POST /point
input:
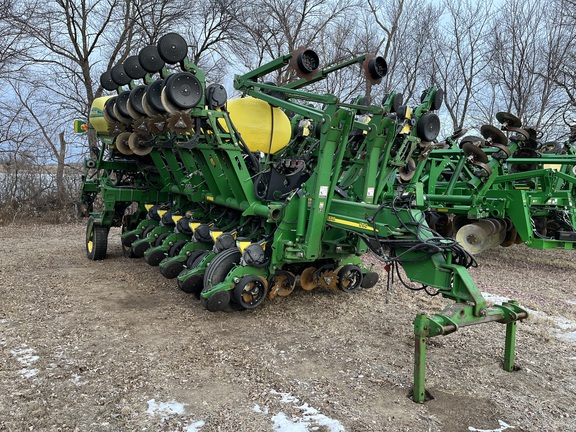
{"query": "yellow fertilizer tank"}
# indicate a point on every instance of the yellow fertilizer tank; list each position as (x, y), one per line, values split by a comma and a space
(96, 116)
(263, 127)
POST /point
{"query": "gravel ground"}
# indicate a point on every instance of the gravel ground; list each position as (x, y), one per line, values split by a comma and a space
(113, 346)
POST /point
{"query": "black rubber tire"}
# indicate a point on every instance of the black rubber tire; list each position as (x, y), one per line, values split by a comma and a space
(147, 231)
(154, 258)
(219, 301)
(160, 239)
(194, 283)
(96, 240)
(176, 248)
(127, 241)
(220, 266)
(216, 272)
(193, 256)
(172, 270)
(140, 248)
(128, 252)
(369, 280)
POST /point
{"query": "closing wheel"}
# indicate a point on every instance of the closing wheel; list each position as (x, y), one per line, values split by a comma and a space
(96, 240)
(140, 248)
(176, 248)
(127, 243)
(251, 291)
(172, 269)
(154, 258)
(349, 278)
(369, 280)
(193, 284)
(219, 301)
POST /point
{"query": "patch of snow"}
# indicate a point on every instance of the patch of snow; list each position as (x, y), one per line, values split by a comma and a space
(194, 426)
(259, 410)
(284, 424)
(503, 427)
(25, 355)
(28, 373)
(310, 420)
(76, 380)
(494, 298)
(561, 322)
(571, 336)
(565, 323)
(286, 397)
(167, 409)
(312, 414)
(164, 409)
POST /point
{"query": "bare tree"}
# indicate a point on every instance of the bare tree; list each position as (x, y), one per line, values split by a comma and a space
(527, 50)
(276, 27)
(407, 39)
(461, 55)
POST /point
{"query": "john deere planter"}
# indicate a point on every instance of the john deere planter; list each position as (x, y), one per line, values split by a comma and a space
(244, 200)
